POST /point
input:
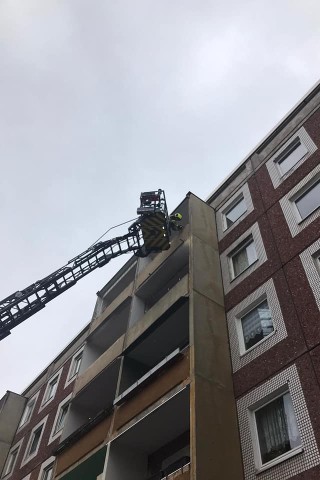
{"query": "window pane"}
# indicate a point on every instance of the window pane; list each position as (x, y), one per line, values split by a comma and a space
(291, 156)
(244, 258)
(256, 325)
(277, 428)
(309, 201)
(61, 418)
(11, 461)
(240, 262)
(35, 440)
(76, 365)
(47, 473)
(251, 253)
(51, 390)
(27, 412)
(235, 212)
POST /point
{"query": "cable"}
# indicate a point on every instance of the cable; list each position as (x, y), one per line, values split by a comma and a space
(115, 226)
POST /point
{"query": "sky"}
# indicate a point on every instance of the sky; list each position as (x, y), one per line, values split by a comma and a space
(101, 100)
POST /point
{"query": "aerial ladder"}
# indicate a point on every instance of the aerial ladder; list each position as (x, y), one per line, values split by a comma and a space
(149, 233)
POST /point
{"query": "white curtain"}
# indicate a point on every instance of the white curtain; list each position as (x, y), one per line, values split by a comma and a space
(277, 428)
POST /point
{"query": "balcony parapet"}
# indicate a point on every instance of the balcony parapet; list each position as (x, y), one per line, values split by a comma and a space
(124, 295)
(181, 289)
(99, 365)
(158, 388)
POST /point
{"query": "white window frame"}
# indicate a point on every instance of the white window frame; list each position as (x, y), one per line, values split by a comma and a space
(255, 437)
(45, 400)
(221, 220)
(33, 400)
(70, 377)
(54, 435)
(311, 264)
(229, 208)
(253, 306)
(274, 169)
(15, 447)
(228, 282)
(289, 208)
(241, 357)
(287, 379)
(50, 461)
(300, 194)
(28, 457)
(287, 152)
(242, 246)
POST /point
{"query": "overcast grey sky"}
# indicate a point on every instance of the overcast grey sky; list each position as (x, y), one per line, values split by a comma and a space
(100, 100)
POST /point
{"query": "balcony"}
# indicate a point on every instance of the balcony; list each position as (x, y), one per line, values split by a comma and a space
(105, 335)
(157, 446)
(155, 349)
(149, 264)
(92, 398)
(122, 279)
(168, 273)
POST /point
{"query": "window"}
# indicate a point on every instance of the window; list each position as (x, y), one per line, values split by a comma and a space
(46, 469)
(75, 367)
(51, 389)
(241, 258)
(47, 473)
(234, 212)
(34, 441)
(256, 325)
(61, 418)
(27, 412)
(11, 461)
(35, 438)
(277, 428)
(291, 155)
(309, 201)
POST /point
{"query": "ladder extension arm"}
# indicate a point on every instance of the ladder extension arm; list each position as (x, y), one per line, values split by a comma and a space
(150, 233)
(24, 303)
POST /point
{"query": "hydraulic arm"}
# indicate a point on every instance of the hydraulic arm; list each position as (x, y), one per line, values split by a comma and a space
(149, 233)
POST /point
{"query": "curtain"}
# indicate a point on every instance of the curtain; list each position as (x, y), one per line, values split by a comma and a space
(273, 431)
(240, 262)
(257, 324)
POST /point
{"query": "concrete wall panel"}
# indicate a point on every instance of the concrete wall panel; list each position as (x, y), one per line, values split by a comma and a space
(215, 445)
(110, 308)
(83, 446)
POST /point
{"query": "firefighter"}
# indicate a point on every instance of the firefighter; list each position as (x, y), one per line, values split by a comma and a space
(173, 221)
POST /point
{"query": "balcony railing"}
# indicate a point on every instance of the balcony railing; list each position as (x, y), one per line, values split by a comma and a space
(179, 467)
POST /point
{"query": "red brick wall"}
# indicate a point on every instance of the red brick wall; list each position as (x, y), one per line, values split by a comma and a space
(45, 451)
(300, 312)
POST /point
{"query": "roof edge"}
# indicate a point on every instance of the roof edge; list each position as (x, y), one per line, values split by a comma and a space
(265, 140)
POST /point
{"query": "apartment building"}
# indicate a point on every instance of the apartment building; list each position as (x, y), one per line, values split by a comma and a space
(31, 423)
(268, 225)
(203, 361)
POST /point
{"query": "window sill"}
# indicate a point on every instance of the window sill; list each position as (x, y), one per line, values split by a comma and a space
(243, 354)
(280, 459)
